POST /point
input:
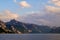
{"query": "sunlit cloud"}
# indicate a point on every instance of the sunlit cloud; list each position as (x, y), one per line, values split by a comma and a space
(52, 9)
(8, 15)
(24, 4)
(55, 2)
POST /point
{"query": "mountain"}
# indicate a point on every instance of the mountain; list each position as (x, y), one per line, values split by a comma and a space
(28, 28)
(16, 24)
(17, 27)
(4, 29)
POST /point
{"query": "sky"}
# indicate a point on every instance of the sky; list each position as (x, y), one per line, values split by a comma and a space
(41, 12)
(20, 6)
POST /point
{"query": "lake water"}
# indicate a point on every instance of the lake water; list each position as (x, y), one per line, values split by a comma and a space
(29, 36)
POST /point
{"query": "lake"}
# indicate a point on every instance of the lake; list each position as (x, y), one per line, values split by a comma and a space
(29, 36)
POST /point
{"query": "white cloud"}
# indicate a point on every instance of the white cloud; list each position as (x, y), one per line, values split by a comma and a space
(8, 15)
(55, 2)
(52, 9)
(55, 12)
(24, 4)
(36, 18)
(47, 19)
(51, 16)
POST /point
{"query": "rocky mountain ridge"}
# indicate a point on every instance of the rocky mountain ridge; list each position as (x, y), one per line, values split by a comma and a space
(16, 27)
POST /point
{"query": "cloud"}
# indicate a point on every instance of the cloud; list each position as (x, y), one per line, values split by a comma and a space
(55, 2)
(55, 12)
(50, 19)
(24, 4)
(52, 9)
(50, 16)
(37, 18)
(8, 15)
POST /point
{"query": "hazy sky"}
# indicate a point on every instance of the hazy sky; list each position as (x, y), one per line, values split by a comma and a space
(46, 12)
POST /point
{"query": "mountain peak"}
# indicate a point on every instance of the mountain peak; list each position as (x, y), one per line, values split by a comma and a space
(13, 20)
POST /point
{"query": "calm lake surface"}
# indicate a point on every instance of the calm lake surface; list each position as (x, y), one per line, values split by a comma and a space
(29, 36)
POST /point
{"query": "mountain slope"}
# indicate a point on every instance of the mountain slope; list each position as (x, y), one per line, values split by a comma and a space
(14, 26)
(28, 28)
